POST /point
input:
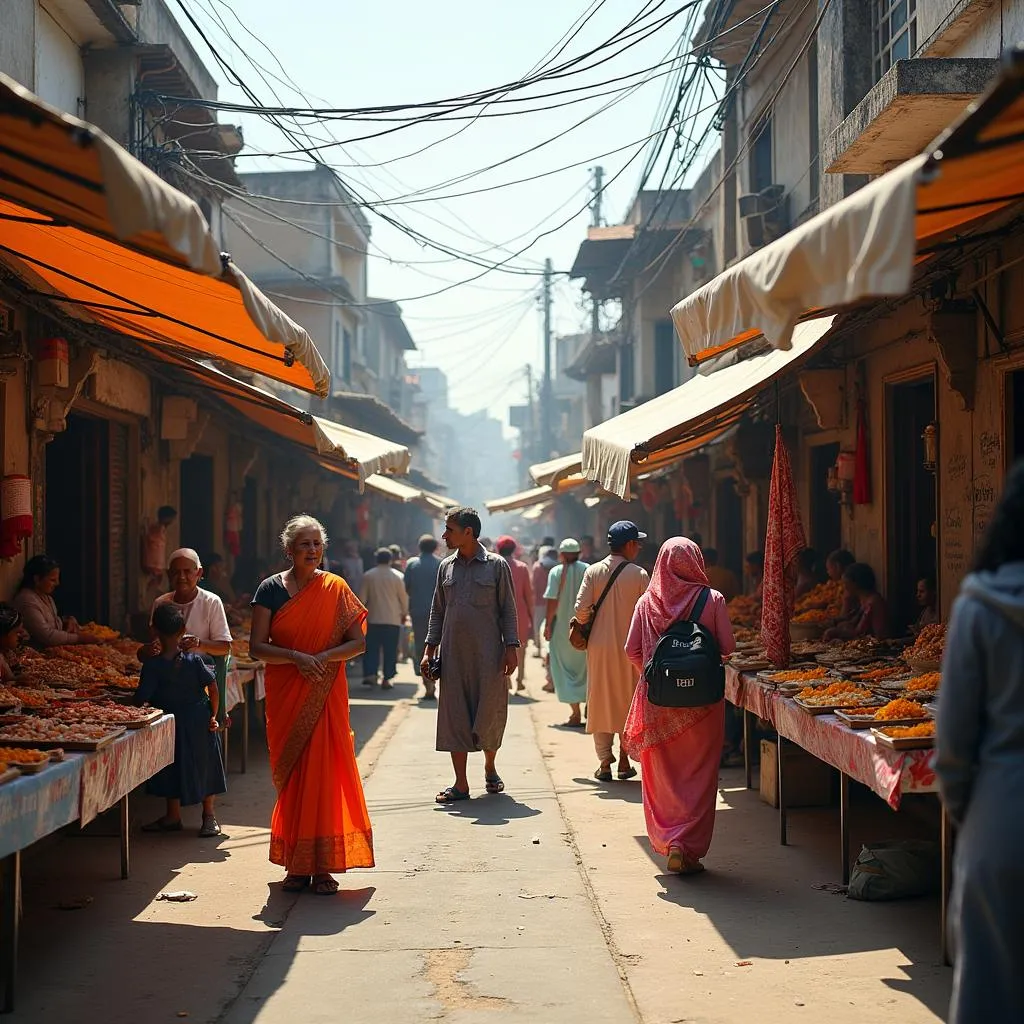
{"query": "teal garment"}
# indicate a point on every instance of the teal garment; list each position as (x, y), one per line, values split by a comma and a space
(568, 666)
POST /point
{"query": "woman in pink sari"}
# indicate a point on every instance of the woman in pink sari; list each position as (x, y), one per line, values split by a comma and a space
(678, 748)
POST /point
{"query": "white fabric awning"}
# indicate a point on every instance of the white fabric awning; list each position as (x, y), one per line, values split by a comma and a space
(391, 488)
(693, 415)
(435, 502)
(522, 499)
(556, 469)
(369, 453)
(535, 512)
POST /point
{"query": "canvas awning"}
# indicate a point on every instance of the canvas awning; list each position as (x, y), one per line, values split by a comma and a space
(88, 226)
(867, 246)
(391, 488)
(535, 512)
(535, 495)
(556, 469)
(435, 502)
(695, 414)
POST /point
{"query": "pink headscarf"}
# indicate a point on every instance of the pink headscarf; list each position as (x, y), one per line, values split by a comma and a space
(678, 579)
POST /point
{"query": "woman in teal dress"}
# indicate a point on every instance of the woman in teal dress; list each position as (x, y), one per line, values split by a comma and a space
(568, 666)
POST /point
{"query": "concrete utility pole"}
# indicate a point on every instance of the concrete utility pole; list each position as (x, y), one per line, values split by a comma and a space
(546, 401)
(595, 221)
(529, 434)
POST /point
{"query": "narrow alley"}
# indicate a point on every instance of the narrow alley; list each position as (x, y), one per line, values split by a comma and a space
(542, 904)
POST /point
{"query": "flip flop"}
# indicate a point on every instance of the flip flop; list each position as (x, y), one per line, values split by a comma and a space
(162, 825)
(295, 883)
(326, 887)
(574, 724)
(451, 795)
(625, 776)
(494, 785)
(603, 775)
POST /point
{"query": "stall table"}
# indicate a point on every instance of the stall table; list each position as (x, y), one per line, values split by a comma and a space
(241, 675)
(76, 789)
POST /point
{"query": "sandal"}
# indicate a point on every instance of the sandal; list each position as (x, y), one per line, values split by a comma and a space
(325, 886)
(210, 828)
(625, 776)
(451, 795)
(604, 773)
(573, 723)
(494, 785)
(676, 861)
(163, 825)
(295, 883)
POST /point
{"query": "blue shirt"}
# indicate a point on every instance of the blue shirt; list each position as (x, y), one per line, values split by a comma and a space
(420, 581)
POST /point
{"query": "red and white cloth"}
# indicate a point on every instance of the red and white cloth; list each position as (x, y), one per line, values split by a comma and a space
(785, 539)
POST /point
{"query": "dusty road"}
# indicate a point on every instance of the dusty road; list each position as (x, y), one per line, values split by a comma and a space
(543, 904)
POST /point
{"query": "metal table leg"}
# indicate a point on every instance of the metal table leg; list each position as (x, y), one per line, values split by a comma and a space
(783, 836)
(10, 894)
(125, 863)
(747, 740)
(245, 723)
(946, 843)
(844, 825)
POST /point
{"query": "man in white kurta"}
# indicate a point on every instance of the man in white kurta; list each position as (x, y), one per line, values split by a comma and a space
(611, 678)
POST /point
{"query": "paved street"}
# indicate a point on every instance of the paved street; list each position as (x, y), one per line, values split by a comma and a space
(542, 904)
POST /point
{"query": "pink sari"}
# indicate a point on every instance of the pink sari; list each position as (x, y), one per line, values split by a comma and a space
(678, 748)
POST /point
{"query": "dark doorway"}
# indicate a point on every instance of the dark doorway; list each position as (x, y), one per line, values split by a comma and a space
(911, 497)
(77, 514)
(729, 526)
(1015, 415)
(664, 357)
(826, 513)
(197, 504)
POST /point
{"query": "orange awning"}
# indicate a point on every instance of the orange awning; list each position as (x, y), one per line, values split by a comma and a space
(86, 225)
(868, 245)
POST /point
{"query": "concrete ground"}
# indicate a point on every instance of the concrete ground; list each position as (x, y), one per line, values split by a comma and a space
(542, 904)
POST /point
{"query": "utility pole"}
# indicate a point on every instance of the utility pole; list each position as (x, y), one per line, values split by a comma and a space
(546, 410)
(595, 221)
(530, 433)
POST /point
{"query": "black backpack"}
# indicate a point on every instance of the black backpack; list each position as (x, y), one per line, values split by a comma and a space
(685, 670)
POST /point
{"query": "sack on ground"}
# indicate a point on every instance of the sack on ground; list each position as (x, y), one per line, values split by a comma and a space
(896, 870)
(685, 670)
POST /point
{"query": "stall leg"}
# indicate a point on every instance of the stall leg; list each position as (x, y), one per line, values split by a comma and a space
(125, 831)
(783, 836)
(747, 740)
(947, 883)
(10, 894)
(245, 724)
(844, 825)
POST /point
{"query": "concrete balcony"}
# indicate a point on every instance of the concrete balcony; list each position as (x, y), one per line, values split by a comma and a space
(905, 111)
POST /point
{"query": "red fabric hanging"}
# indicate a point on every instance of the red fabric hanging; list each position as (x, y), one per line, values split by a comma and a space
(783, 542)
(862, 460)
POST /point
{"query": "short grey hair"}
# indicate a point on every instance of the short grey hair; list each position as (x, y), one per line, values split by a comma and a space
(296, 525)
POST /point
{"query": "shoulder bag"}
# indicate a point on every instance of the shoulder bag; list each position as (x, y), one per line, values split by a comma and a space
(579, 632)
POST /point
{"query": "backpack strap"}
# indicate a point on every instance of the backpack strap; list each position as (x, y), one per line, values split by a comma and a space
(699, 605)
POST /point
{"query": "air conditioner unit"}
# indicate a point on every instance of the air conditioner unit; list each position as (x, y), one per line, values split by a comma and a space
(765, 215)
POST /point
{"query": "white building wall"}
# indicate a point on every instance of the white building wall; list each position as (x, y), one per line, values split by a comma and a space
(59, 74)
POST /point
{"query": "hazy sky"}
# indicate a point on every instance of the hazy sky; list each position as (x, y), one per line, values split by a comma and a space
(348, 54)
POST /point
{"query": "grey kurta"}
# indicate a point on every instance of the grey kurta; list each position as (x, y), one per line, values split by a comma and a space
(473, 619)
(980, 765)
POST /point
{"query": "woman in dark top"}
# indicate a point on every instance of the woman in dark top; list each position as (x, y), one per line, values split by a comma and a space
(183, 685)
(872, 618)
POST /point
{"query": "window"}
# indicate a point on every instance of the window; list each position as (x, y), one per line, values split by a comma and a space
(893, 33)
(664, 357)
(761, 154)
(625, 374)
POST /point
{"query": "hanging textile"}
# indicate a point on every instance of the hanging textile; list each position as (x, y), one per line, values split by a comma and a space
(862, 460)
(783, 542)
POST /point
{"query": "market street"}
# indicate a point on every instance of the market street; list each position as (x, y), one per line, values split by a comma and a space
(542, 904)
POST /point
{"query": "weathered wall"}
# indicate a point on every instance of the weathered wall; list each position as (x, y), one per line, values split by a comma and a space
(17, 41)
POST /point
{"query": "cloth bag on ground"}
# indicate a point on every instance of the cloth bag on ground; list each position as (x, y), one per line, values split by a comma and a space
(896, 870)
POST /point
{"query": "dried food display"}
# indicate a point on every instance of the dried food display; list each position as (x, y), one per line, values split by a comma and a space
(929, 645)
(927, 681)
(901, 710)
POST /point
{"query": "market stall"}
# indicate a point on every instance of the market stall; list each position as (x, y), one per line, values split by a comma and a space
(245, 685)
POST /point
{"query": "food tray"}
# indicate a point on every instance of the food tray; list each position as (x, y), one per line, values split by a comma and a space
(64, 743)
(145, 721)
(903, 742)
(920, 667)
(829, 709)
(807, 630)
(859, 721)
(9, 775)
(7, 708)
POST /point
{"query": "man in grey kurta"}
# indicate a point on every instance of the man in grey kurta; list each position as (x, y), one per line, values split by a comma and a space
(474, 623)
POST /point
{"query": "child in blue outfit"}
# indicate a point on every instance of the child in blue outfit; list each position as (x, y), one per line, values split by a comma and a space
(183, 685)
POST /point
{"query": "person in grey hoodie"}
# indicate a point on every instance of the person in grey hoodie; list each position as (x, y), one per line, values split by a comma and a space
(980, 765)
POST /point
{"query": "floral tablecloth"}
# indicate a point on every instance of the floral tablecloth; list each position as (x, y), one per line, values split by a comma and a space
(111, 773)
(889, 773)
(238, 678)
(36, 805)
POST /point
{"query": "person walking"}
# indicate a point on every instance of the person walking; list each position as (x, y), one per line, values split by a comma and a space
(980, 766)
(567, 665)
(306, 624)
(678, 748)
(387, 607)
(606, 600)
(547, 559)
(420, 581)
(473, 623)
(522, 586)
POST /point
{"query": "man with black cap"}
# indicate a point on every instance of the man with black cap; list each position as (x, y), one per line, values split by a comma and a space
(606, 599)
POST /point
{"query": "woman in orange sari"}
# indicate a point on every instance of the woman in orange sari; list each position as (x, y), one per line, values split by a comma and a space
(306, 624)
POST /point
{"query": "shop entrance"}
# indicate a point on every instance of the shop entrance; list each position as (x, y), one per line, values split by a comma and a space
(1015, 415)
(197, 504)
(826, 513)
(77, 514)
(729, 526)
(911, 496)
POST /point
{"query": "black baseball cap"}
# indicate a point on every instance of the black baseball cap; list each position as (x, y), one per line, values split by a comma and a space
(623, 532)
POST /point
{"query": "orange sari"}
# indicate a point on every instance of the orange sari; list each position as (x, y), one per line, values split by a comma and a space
(320, 823)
